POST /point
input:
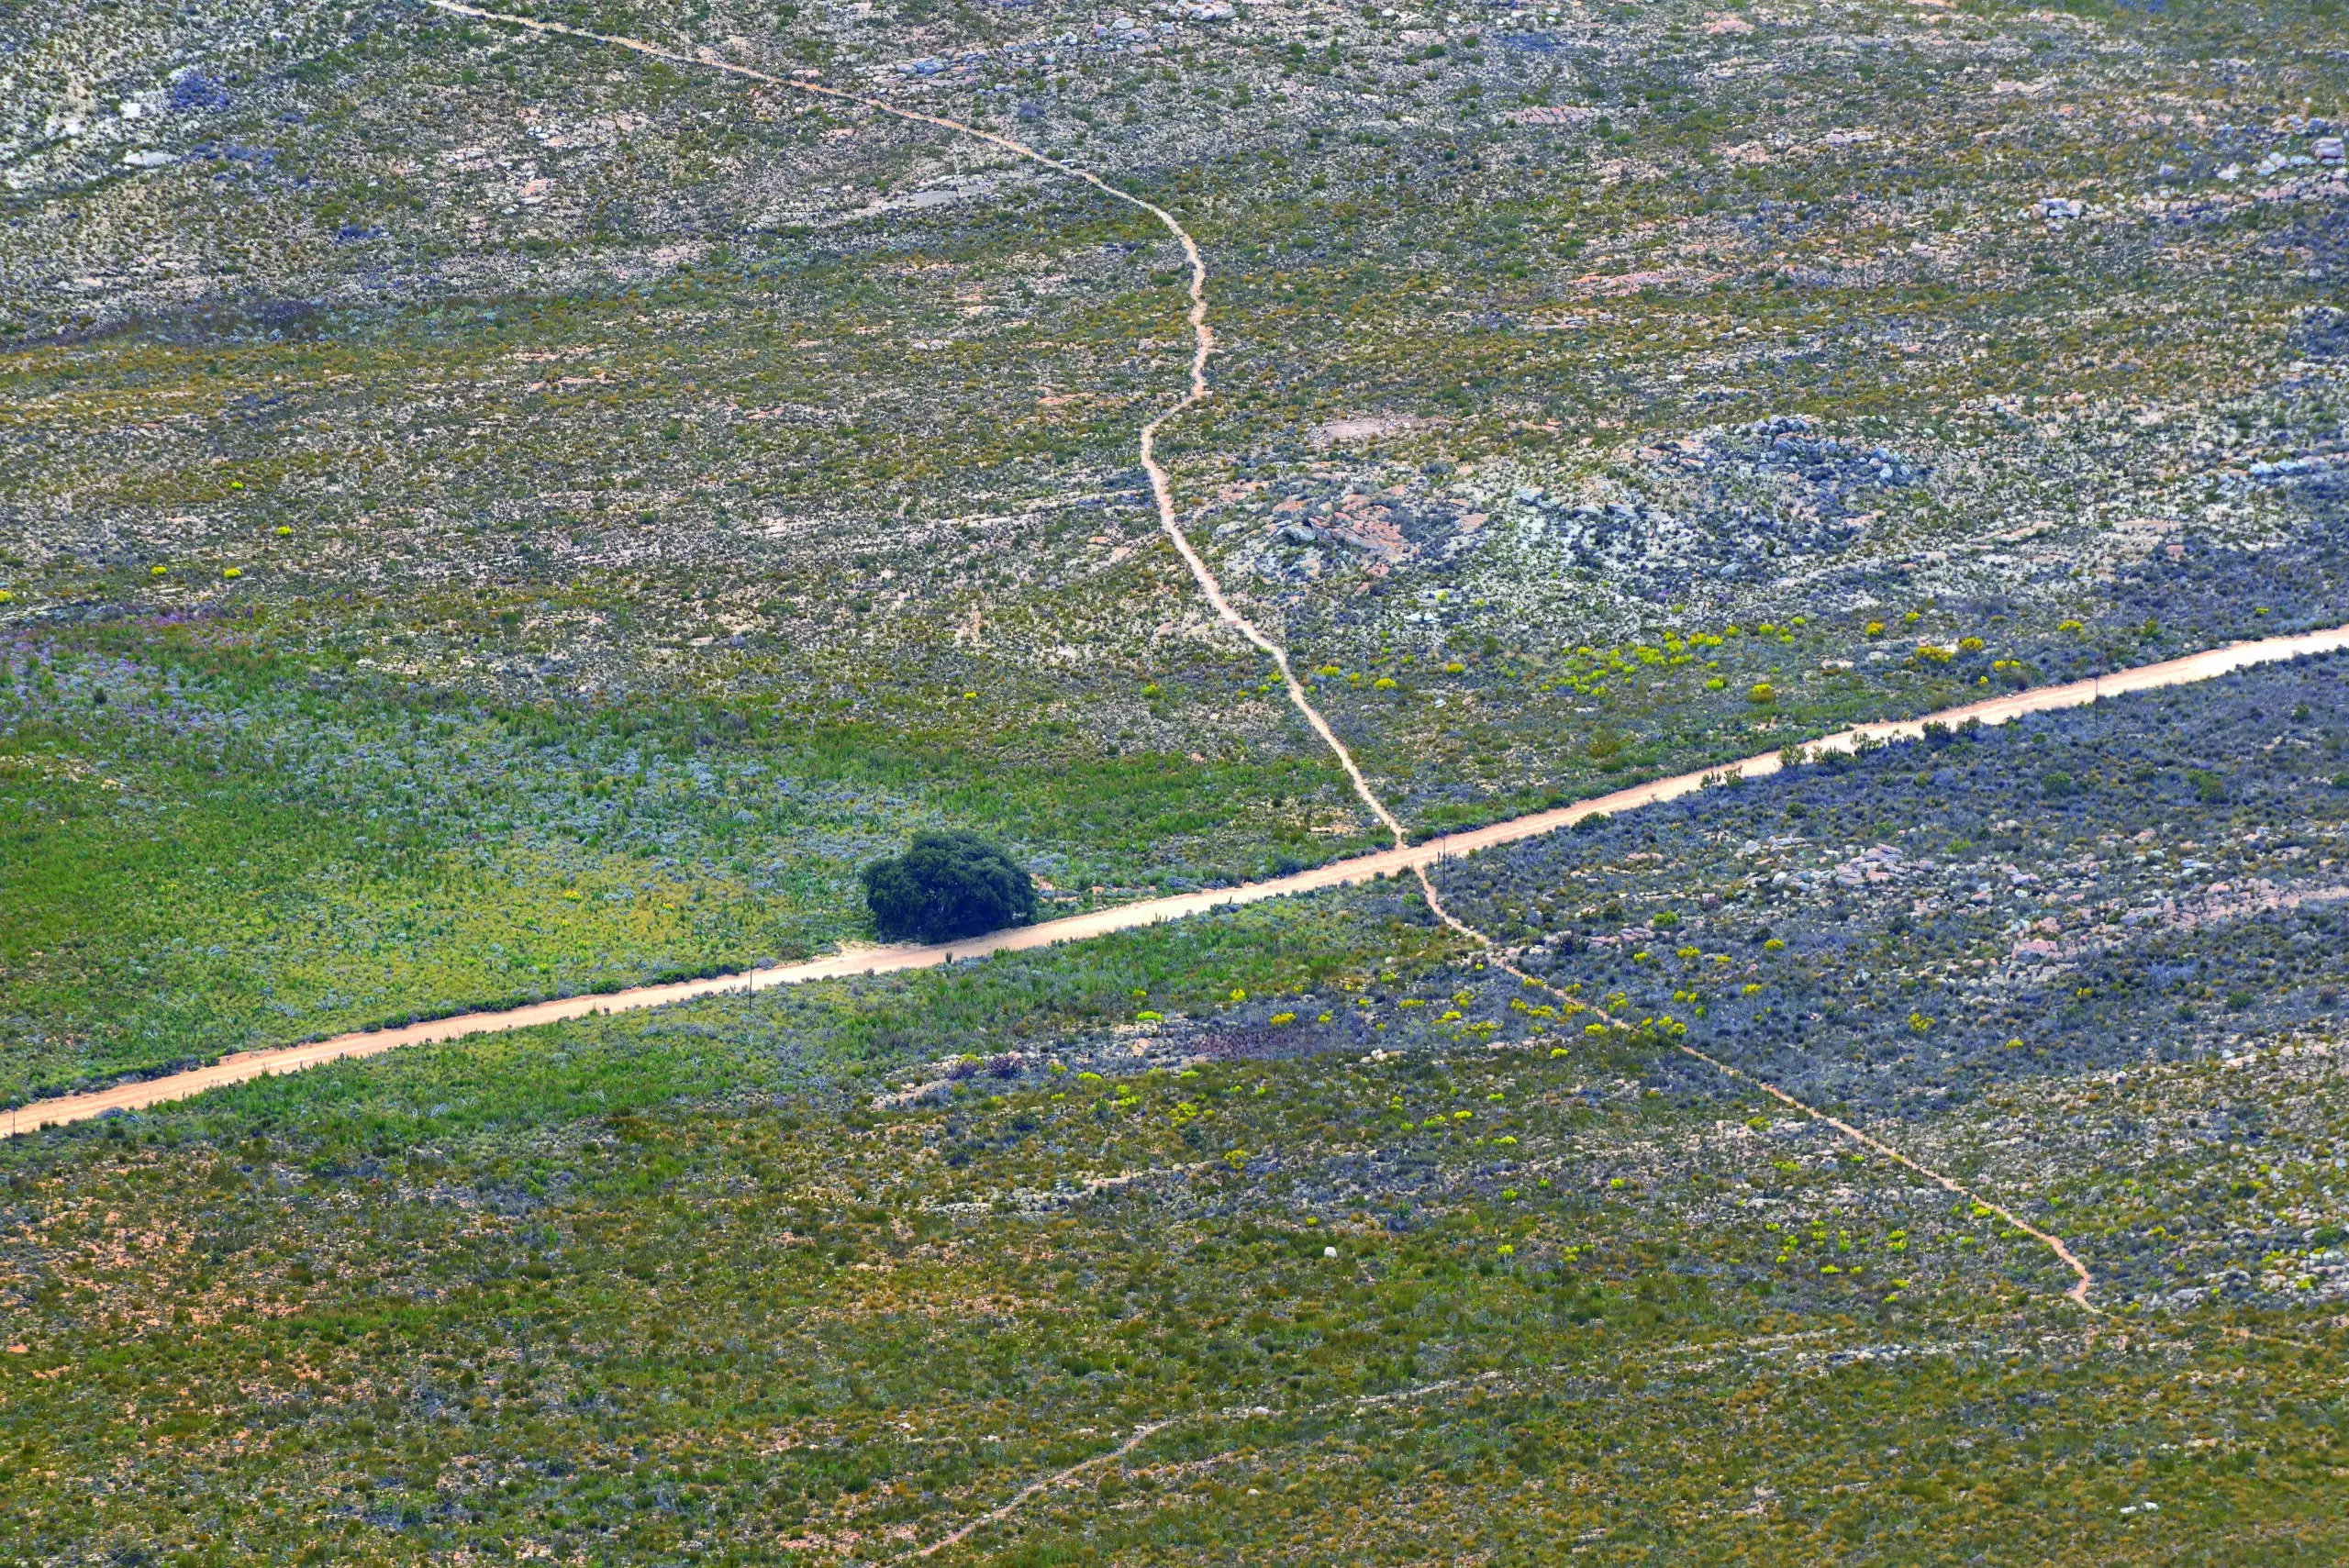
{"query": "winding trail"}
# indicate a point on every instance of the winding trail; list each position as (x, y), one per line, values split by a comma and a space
(2082, 1281)
(1403, 856)
(996, 1515)
(1202, 336)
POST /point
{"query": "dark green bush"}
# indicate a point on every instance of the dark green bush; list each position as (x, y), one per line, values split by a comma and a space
(947, 885)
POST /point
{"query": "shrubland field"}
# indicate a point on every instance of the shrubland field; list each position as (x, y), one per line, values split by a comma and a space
(485, 517)
(621, 497)
(1389, 1257)
(740, 1333)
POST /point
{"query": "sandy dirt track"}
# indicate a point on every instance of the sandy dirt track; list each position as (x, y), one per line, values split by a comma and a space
(251, 1064)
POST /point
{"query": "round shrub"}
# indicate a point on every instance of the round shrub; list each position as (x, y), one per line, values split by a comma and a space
(947, 885)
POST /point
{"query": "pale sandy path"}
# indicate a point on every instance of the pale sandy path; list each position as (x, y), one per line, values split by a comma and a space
(1037, 1489)
(1202, 339)
(1404, 856)
(2082, 1281)
(1410, 859)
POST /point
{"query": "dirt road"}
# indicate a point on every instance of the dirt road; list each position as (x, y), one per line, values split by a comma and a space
(1399, 861)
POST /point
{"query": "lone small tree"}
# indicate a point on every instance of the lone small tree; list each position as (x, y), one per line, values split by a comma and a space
(947, 885)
